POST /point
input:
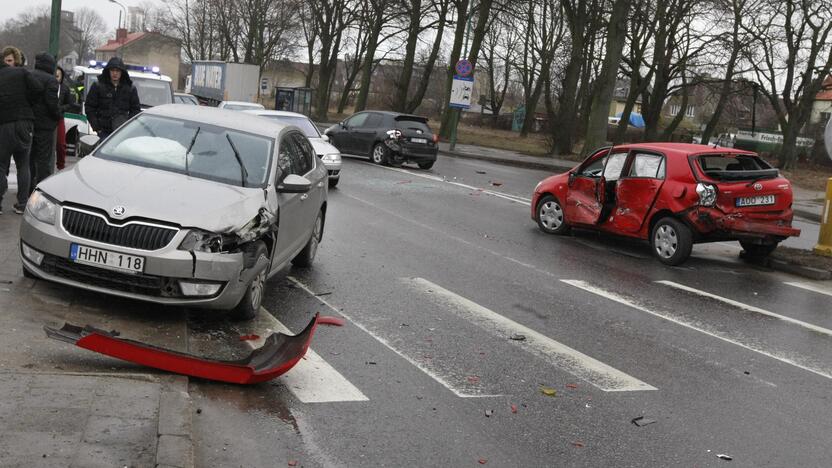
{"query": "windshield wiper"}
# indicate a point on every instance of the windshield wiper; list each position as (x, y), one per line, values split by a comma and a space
(188, 151)
(243, 172)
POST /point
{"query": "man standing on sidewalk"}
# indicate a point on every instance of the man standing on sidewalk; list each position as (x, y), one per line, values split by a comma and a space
(18, 92)
(47, 112)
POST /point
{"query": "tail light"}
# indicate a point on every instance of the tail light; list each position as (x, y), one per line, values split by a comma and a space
(707, 194)
(395, 133)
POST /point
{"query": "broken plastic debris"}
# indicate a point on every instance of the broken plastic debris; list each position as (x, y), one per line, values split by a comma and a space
(278, 354)
(331, 320)
(323, 294)
(548, 391)
(473, 379)
(725, 457)
(496, 184)
(578, 443)
(571, 385)
(642, 421)
(293, 463)
(482, 461)
(513, 408)
(370, 363)
(488, 413)
(518, 337)
(249, 337)
(480, 172)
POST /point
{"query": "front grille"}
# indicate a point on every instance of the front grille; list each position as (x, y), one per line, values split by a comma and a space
(140, 283)
(134, 235)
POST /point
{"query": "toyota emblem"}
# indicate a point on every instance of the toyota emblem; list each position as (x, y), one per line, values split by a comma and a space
(118, 211)
(758, 186)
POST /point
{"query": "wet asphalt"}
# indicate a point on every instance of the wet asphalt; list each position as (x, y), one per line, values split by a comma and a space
(435, 272)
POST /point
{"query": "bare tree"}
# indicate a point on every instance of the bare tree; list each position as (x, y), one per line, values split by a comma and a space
(375, 16)
(331, 17)
(90, 28)
(498, 56)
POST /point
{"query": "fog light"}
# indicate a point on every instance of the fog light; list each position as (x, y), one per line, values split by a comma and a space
(31, 254)
(199, 289)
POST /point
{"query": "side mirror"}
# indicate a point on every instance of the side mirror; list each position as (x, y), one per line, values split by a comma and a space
(343, 124)
(571, 177)
(325, 137)
(86, 144)
(90, 140)
(294, 183)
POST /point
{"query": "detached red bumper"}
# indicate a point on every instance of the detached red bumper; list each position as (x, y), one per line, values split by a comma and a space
(278, 354)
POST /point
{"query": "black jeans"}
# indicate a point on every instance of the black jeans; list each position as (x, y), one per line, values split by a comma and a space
(42, 156)
(15, 142)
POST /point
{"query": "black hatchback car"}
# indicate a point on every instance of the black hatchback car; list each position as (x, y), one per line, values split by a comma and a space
(386, 138)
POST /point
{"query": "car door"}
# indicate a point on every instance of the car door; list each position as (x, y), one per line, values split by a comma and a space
(364, 136)
(311, 201)
(582, 203)
(347, 136)
(636, 192)
(291, 206)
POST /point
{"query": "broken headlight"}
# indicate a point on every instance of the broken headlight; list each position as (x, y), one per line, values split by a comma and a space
(201, 241)
(42, 207)
(707, 194)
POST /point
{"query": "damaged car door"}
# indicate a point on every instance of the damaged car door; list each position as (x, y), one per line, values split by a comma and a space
(637, 191)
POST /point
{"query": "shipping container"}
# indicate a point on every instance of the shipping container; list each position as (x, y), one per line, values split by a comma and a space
(224, 81)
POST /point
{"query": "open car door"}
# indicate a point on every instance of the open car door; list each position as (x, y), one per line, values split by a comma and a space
(637, 190)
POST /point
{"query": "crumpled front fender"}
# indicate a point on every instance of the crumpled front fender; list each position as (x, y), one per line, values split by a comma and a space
(278, 354)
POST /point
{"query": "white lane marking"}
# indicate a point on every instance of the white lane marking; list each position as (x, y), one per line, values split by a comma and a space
(312, 380)
(585, 367)
(506, 196)
(679, 321)
(747, 307)
(458, 392)
(811, 287)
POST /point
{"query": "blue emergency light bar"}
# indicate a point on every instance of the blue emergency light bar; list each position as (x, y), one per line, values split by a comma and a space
(139, 68)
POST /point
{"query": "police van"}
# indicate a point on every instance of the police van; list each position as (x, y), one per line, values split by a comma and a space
(154, 89)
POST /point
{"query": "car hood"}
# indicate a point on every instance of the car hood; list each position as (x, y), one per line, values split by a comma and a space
(322, 147)
(155, 194)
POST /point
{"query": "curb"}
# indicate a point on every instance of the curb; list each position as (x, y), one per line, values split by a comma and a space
(174, 446)
(787, 267)
(804, 213)
(508, 162)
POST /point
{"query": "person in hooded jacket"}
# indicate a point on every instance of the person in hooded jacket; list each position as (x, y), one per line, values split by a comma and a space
(19, 90)
(47, 113)
(111, 100)
(66, 101)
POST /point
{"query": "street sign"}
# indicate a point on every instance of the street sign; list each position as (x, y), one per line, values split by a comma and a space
(464, 68)
(461, 90)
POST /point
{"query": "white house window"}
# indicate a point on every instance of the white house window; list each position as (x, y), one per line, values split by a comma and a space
(690, 112)
(674, 109)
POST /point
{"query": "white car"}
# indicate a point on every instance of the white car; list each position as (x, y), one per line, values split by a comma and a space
(240, 105)
(326, 151)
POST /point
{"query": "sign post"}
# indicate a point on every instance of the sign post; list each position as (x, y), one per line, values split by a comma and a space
(55, 29)
(461, 90)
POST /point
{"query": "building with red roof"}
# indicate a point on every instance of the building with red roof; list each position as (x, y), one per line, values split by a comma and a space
(145, 48)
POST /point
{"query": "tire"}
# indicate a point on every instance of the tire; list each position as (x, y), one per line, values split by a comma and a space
(306, 256)
(379, 154)
(550, 217)
(758, 250)
(333, 182)
(426, 165)
(671, 241)
(250, 303)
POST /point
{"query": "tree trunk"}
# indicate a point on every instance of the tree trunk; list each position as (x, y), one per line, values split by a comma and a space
(456, 51)
(563, 128)
(424, 80)
(403, 82)
(596, 133)
(369, 58)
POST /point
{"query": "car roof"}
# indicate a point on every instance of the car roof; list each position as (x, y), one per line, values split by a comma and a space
(233, 120)
(242, 103)
(395, 114)
(684, 149)
(264, 112)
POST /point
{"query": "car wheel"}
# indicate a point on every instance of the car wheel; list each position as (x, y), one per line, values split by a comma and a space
(758, 250)
(550, 218)
(333, 182)
(306, 256)
(379, 154)
(250, 303)
(671, 241)
(426, 165)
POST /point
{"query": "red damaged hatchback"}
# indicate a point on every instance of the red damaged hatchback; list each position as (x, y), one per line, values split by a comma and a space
(673, 195)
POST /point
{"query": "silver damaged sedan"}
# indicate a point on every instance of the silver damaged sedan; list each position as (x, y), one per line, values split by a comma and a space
(183, 205)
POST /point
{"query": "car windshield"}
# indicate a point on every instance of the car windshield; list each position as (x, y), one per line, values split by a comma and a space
(303, 123)
(237, 107)
(213, 153)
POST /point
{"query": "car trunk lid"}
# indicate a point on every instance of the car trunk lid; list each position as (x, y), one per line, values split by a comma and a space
(745, 183)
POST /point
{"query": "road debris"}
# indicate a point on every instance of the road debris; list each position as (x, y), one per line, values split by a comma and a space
(473, 379)
(331, 320)
(548, 391)
(323, 294)
(518, 337)
(369, 363)
(249, 337)
(496, 184)
(642, 421)
(571, 385)
(482, 461)
(578, 444)
(404, 182)
(293, 463)
(481, 172)
(514, 408)
(278, 354)
(488, 413)
(725, 457)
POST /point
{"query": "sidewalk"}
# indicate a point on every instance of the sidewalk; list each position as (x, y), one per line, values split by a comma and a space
(807, 203)
(64, 407)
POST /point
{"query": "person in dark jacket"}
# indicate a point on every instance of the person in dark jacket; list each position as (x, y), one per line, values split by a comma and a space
(66, 102)
(112, 99)
(19, 90)
(47, 113)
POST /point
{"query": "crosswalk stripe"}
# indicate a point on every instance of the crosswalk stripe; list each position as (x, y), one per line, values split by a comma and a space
(470, 391)
(811, 287)
(680, 321)
(312, 380)
(747, 307)
(595, 372)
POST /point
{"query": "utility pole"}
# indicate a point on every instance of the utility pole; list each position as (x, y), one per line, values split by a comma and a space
(457, 112)
(55, 28)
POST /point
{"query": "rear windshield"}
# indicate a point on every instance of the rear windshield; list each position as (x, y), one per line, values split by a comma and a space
(735, 167)
(213, 153)
(412, 123)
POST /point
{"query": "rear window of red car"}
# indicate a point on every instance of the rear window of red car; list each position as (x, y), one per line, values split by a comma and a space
(734, 166)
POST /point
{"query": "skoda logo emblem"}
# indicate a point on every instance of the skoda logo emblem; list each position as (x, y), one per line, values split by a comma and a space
(118, 211)
(758, 186)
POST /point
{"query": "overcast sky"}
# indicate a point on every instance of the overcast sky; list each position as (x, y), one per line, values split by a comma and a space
(109, 11)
